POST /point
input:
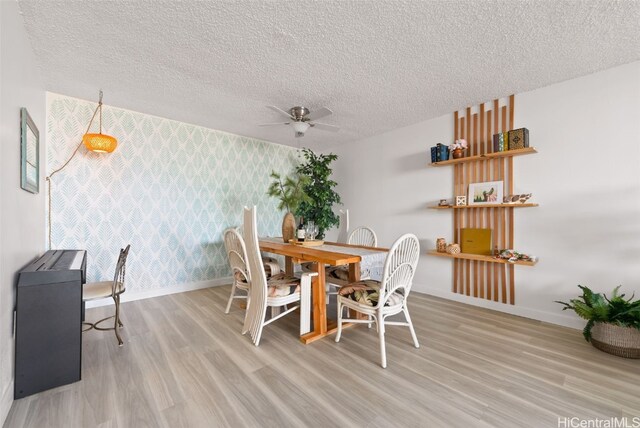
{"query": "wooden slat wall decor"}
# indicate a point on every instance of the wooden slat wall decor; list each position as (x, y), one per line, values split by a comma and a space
(491, 281)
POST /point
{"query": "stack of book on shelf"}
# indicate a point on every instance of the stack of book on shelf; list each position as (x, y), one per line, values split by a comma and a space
(511, 140)
(439, 153)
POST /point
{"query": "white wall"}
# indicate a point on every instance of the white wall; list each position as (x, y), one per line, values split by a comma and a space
(586, 178)
(22, 217)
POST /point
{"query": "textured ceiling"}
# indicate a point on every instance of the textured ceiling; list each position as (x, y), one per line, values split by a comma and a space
(378, 65)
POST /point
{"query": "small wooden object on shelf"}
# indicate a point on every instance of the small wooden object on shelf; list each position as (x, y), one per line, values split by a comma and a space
(453, 249)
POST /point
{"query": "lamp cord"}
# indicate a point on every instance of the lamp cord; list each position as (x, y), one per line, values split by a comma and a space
(48, 178)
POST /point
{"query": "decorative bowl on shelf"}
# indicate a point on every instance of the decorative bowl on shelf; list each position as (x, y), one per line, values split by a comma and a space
(453, 249)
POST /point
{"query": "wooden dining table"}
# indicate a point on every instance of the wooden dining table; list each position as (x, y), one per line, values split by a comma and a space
(329, 254)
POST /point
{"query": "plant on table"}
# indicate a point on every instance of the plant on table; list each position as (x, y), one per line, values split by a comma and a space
(290, 191)
(320, 188)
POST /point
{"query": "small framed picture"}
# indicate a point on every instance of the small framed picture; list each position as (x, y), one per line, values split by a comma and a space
(29, 153)
(461, 200)
(489, 192)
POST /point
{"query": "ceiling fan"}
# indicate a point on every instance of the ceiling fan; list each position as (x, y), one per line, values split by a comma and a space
(301, 119)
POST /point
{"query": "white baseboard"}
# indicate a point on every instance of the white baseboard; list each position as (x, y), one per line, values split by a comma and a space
(129, 296)
(6, 400)
(553, 318)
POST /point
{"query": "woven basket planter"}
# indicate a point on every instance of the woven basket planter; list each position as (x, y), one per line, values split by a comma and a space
(616, 340)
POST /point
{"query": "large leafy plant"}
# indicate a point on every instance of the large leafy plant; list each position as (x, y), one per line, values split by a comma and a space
(320, 189)
(290, 191)
(596, 307)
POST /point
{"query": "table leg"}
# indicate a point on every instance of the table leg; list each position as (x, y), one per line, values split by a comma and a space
(319, 306)
(354, 272)
(288, 266)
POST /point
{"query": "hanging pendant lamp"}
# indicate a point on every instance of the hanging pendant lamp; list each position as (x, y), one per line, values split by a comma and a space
(99, 143)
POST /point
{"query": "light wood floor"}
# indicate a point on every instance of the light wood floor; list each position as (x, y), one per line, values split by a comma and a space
(184, 363)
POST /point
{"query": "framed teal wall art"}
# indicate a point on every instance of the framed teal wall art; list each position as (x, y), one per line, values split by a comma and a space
(29, 153)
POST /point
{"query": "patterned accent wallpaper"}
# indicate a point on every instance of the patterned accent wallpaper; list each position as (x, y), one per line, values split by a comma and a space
(169, 189)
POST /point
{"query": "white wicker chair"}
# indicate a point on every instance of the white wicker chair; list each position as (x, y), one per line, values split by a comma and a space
(392, 292)
(337, 276)
(263, 294)
(363, 236)
(236, 252)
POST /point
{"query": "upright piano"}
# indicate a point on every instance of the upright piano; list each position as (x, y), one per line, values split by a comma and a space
(49, 313)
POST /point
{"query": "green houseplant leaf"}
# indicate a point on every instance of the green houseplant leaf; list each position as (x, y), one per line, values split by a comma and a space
(320, 189)
(290, 191)
(596, 307)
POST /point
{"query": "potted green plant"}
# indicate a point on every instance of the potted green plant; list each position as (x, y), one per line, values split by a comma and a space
(320, 189)
(290, 191)
(613, 324)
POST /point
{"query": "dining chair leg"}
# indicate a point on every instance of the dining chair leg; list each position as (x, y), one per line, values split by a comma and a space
(116, 321)
(383, 352)
(275, 311)
(259, 333)
(246, 312)
(339, 333)
(233, 292)
(413, 332)
(369, 323)
(119, 320)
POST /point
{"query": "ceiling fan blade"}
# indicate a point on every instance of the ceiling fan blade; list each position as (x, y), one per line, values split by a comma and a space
(317, 114)
(325, 127)
(274, 108)
(274, 124)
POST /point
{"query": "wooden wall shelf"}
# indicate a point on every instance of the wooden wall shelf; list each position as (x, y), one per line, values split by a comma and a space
(478, 276)
(462, 207)
(487, 156)
(479, 258)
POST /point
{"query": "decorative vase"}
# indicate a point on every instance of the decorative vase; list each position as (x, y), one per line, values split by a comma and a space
(616, 340)
(288, 227)
(457, 153)
(441, 245)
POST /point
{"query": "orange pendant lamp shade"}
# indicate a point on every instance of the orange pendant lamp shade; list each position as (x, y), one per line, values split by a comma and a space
(100, 143)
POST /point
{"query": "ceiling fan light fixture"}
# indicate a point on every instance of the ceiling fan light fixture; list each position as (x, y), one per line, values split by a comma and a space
(300, 127)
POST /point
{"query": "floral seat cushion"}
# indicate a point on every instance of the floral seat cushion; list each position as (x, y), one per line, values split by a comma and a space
(342, 273)
(270, 267)
(367, 292)
(281, 285)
